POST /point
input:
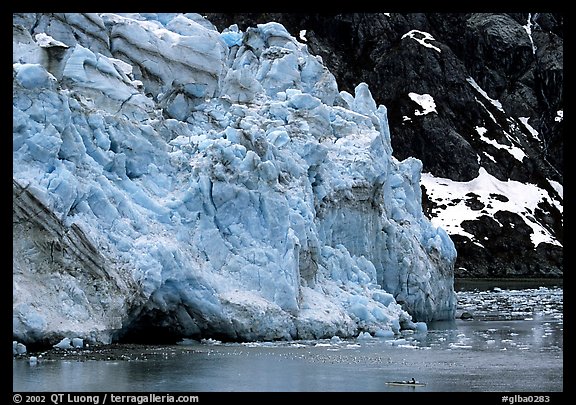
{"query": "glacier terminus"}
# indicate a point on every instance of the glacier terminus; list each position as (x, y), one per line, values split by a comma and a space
(173, 181)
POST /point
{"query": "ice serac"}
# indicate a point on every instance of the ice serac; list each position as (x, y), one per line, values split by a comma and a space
(185, 182)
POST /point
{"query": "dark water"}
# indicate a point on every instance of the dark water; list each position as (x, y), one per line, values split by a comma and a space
(514, 343)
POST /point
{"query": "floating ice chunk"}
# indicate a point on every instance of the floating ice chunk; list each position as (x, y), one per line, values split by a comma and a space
(421, 326)
(64, 344)
(335, 339)
(297, 345)
(399, 342)
(211, 341)
(384, 334)
(459, 346)
(188, 342)
(18, 348)
(77, 342)
(408, 346)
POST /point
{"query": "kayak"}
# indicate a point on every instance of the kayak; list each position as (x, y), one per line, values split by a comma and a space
(408, 383)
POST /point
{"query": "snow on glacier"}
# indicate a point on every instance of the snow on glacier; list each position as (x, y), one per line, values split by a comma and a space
(227, 176)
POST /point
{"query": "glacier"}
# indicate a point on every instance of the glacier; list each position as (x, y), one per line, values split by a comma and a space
(173, 181)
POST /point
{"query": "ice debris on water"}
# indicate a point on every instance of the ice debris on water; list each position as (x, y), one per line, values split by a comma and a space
(78, 343)
(364, 336)
(67, 343)
(63, 344)
(18, 348)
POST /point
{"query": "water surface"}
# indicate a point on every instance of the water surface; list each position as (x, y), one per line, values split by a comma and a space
(513, 343)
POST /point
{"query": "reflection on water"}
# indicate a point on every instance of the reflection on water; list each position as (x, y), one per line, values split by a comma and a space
(513, 343)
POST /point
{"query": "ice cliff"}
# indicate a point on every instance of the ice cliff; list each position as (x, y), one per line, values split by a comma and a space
(171, 180)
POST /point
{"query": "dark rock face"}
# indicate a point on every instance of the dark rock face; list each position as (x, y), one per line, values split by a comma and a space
(494, 79)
